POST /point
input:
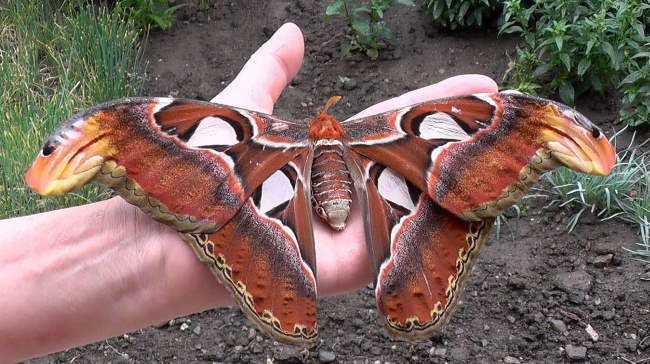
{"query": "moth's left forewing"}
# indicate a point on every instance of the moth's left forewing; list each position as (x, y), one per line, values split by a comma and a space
(406, 139)
(476, 155)
(265, 255)
(421, 254)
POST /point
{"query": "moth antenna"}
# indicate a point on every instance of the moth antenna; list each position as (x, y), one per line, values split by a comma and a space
(331, 101)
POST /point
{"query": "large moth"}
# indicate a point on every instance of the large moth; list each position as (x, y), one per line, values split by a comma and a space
(239, 186)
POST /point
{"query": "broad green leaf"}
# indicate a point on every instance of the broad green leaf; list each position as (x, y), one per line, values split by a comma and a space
(609, 50)
(566, 60)
(361, 26)
(641, 54)
(512, 29)
(583, 66)
(362, 10)
(596, 83)
(639, 29)
(437, 11)
(373, 53)
(567, 93)
(335, 8)
(406, 2)
(631, 78)
(590, 44)
(345, 50)
(541, 70)
(463, 10)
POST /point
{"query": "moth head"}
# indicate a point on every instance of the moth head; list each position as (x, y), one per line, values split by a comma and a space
(70, 157)
(573, 140)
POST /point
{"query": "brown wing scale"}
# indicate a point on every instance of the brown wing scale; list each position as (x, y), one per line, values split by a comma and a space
(420, 252)
(146, 141)
(502, 143)
(450, 165)
(267, 261)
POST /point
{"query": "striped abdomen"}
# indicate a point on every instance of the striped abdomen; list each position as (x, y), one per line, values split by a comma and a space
(331, 184)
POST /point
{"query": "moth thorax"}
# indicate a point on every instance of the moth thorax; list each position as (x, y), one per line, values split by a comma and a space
(331, 184)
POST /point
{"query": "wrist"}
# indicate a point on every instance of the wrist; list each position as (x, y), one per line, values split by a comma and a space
(85, 273)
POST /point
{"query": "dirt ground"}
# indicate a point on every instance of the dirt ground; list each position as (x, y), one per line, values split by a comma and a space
(534, 294)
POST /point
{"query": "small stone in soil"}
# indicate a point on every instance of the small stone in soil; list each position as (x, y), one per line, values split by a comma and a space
(630, 345)
(286, 352)
(256, 348)
(460, 354)
(511, 360)
(251, 334)
(573, 282)
(197, 330)
(603, 260)
(516, 283)
(574, 352)
(439, 352)
(592, 333)
(603, 247)
(576, 298)
(326, 356)
(241, 340)
(558, 325)
(348, 83)
(606, 315)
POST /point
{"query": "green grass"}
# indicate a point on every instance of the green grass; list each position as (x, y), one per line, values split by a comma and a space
(55, 60)
(623, 194)
(638, 212)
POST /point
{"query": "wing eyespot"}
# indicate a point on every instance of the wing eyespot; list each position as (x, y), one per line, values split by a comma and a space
(595, 132)
(48, 148)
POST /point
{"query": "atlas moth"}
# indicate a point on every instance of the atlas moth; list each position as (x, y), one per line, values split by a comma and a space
(239, 187)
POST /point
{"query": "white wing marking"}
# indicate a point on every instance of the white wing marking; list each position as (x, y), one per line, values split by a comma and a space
(276, 190)
(393, 188)
(213, 131)
(441, 126)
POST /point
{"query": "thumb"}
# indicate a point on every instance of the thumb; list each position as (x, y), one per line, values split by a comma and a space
(262, 79)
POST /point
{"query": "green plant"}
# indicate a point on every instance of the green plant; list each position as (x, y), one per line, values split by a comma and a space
(461, 14)
(636, 90)
(638, 212)
(149, 13)
(623, 194)
(54, 60)
(580, 45)
(365, 20)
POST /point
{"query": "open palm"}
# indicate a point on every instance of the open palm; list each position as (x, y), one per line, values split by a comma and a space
(110, 264)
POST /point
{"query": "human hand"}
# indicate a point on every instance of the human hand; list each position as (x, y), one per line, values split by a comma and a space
(110, 264)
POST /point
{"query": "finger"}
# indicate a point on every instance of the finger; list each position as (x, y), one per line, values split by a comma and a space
(342, 263)
(453, 86)
(260, 82)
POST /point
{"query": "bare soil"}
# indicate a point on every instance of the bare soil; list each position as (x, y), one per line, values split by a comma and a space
(534, 292)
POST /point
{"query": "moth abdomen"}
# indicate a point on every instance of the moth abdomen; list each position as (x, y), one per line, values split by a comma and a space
(331, 184)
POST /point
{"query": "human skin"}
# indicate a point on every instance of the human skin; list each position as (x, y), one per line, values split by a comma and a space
(79, 275)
